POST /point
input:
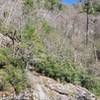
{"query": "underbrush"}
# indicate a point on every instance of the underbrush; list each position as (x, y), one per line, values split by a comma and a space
(17, 78)
(51, 66)
(12, 67)
(68, 72)
(12, 73)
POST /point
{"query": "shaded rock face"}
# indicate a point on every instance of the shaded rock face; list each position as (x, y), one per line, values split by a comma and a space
(5, 41)
(43, 88)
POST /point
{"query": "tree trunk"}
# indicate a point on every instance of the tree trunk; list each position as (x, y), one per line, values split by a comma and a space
(87, 25)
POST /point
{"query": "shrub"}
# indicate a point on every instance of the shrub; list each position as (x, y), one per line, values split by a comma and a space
(13, 73)
(57, 70)
(91, 83)
(4, 56)
(31, 41)
(2, 84)
(3, 60)
(96, 87)
(28, 3)
(47, 28)
(12, 77)
(51, 4)
(67, 72)
(97, 8)
(16, 77)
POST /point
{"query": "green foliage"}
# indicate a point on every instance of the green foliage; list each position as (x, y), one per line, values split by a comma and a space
(13, 72)
(4, 56)
(31, 40)
(13, 76)
(17, 62)
(96, 8)
(51, 4)
(96, 87)
(3, 59)
(87, 6)
(16, 77)
(57, 70)
(28, 6)
(3, 84)
(67, 72)
(86, 81)
(28, 3)
(91, 83)
(28, 32)
(47, 28)
(91, 8)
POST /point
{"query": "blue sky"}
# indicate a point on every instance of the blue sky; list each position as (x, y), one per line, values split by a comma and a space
(70, 1)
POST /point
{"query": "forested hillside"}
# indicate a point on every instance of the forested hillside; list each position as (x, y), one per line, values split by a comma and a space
(44, 39)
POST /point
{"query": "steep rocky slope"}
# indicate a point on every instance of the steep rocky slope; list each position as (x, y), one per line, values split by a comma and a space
(44, 88)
